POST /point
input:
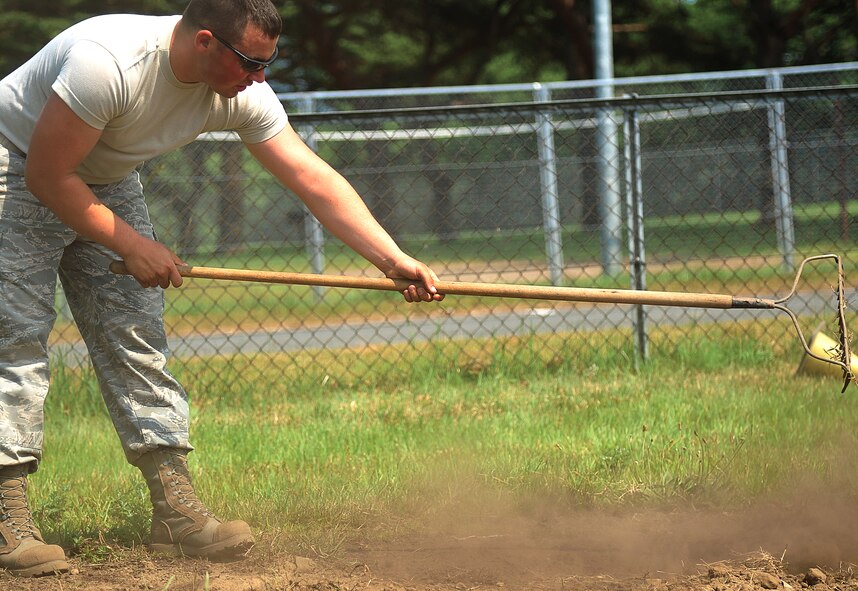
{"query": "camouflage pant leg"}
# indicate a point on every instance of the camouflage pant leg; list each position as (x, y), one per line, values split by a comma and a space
(120, 321)
(122, 324)
(32, 241)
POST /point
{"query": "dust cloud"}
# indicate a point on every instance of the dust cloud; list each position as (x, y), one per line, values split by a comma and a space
(484, 540)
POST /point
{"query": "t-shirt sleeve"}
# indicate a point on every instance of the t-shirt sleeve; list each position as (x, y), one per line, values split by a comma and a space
(263, 115)
(90, 83)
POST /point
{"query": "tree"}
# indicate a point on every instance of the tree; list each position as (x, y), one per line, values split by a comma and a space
(27, 25)
(388, 43)
(706, 35)
(382, 43)
(347, 44)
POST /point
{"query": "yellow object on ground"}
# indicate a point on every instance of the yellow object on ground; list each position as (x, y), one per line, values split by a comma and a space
(825, 347)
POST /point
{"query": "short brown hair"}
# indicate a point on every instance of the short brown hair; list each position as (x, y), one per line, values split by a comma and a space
(229, 18)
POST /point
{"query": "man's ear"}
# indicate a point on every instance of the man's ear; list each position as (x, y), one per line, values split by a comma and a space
(203, 40)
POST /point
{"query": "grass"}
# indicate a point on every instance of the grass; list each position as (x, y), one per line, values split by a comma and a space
(315, 460)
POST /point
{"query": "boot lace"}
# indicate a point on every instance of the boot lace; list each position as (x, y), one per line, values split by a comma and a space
(180, 485)
(14, 509)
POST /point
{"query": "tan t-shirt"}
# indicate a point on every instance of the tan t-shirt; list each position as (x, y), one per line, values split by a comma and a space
(114, 72)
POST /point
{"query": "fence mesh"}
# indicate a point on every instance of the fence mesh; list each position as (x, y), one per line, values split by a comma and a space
(734, 189)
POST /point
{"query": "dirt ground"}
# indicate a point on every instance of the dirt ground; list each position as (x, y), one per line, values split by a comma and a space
(810, 541)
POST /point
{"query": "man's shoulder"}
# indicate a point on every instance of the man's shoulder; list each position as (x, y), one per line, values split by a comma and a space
(116, 25)
(125, 36)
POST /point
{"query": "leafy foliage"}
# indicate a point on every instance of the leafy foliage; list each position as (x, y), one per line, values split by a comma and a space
(339, 44)
(26, 25)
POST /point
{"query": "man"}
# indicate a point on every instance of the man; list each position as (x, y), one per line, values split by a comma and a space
(76, 121)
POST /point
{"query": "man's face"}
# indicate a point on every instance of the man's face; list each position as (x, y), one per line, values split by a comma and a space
(228, 72)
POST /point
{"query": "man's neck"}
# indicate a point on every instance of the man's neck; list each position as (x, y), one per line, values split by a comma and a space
(180, 55)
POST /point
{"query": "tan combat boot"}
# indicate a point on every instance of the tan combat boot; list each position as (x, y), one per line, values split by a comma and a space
(181, 525)
(23, 551)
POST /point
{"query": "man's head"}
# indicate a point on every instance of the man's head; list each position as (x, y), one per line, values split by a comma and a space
(233, 41)
(229, 18)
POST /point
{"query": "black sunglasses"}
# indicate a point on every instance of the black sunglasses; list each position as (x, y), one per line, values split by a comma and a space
(248, 64)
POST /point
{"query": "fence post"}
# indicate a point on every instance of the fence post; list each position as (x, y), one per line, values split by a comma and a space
(548, 188)
(609, 193)
(635, 225)
(607, 160)
(314, 236)
(780, 173)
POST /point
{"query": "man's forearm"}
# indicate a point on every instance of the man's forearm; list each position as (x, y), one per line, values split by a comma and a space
(350, 220)
(77, 207)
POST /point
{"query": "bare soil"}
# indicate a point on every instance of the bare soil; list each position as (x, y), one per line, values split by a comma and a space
(810, 541)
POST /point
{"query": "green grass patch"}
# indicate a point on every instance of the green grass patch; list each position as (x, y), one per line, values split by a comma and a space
(310, 456)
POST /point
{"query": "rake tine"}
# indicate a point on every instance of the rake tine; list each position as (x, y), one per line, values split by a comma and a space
(841, 357)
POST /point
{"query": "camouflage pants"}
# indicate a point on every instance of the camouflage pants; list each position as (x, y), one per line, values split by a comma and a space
(121, 322)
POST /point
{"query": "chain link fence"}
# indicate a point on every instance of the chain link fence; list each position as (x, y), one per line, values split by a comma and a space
(692, 185)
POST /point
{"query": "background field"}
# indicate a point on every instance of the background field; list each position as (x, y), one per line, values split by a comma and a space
(729, 204)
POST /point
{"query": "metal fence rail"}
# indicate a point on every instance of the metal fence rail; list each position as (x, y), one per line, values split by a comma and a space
(716, 191)
(675, 84)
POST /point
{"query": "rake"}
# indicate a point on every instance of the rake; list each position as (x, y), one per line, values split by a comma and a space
(839, 356)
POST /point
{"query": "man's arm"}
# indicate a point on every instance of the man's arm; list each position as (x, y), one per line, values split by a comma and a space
(340, 209)
(60, 142)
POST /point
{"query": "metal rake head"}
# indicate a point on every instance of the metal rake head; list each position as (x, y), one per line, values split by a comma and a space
(839, 355)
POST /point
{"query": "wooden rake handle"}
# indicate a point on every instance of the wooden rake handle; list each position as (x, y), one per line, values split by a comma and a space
(842, 358)
(538, 292)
